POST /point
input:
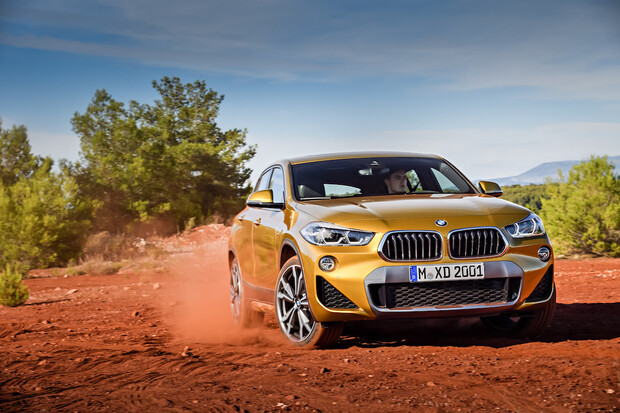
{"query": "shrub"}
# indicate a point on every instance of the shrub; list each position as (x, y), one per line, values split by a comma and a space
(582, 212)
(13, 291)
(529, 196)
(109, 268)
(44, 220)
(97, 267)
(103, 246)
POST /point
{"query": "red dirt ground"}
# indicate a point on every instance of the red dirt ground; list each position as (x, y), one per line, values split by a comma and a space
(162, 340)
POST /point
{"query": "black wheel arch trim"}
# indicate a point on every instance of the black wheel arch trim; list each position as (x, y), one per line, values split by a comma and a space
(231, 250)
(290, 243)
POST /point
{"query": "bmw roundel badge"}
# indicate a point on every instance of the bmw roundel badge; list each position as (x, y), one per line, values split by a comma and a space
(441, 223)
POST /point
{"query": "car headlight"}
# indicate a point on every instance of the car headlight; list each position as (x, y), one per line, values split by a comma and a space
(324, 233)
(532, 226)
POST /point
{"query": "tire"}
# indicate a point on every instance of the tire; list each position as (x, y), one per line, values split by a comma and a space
(530, 326)
(240, 307)
(294, 314)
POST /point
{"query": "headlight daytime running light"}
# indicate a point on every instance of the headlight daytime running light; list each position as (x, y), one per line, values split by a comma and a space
(325, 233)
(532, 226)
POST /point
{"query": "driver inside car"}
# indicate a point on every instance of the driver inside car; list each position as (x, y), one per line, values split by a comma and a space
(396, 182)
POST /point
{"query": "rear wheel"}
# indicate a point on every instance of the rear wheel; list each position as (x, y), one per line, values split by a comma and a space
(293, 310)
(526, 326)
(240, 307)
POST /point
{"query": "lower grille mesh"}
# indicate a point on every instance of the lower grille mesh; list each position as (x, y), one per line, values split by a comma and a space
(432, 294)
(330, 297)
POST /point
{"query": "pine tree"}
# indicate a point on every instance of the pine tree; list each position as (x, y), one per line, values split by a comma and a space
(582, 213)
(166, 162)
(13, 291)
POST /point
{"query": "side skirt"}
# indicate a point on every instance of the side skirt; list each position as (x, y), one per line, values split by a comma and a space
(261, 297)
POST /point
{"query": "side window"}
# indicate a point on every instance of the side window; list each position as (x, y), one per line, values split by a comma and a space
(263, 181)
(414, 180)
(277, 185)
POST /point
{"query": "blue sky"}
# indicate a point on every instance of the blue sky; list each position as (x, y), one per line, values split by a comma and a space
(497, 87)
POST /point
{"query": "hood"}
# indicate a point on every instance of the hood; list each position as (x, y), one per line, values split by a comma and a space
(415, 211)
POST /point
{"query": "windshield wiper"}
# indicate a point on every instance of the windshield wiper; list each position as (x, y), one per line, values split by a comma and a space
(350, 196)
(314, 198)
(424, 192)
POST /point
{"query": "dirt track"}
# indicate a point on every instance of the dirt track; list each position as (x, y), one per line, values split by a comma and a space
(162, 341)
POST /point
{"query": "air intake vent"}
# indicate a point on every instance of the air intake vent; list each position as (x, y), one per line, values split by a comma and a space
(330, 297)
(435, 294)
(476, 242)
(544, 288)
(411, 246)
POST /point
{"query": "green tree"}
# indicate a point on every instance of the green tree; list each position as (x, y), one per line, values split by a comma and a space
(44, 220)
(582, 213)
(16, 159)
(165, 162)
(529, 196)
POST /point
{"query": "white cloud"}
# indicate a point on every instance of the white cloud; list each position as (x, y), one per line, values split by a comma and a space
(566, 49)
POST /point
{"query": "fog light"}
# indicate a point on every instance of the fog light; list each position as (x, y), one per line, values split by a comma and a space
(544, 254)
(327, 263)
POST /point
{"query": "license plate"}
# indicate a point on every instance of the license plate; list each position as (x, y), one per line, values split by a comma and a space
(446, 272)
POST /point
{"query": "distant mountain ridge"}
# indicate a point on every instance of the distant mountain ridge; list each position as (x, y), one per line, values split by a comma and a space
(540, 173)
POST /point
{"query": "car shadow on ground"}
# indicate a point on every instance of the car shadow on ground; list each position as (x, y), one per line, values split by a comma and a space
(579, 321)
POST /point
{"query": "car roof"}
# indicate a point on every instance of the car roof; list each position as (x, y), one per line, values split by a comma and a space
(352, 155)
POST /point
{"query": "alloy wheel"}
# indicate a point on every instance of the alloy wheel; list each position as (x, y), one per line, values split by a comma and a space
(292, 306)
(235, 292)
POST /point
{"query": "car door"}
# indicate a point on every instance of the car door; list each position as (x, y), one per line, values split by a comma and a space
(243, 243)
(268, 225)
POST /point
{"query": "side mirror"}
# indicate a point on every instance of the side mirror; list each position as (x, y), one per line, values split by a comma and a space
(263, 199)
(490, 188)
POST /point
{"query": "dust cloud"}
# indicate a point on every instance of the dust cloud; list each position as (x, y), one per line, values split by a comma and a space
(201, 306)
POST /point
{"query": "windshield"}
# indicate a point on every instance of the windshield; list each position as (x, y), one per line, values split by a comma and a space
(342, 178)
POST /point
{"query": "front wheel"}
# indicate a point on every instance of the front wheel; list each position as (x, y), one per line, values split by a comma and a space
(293, 310)
(526, 326)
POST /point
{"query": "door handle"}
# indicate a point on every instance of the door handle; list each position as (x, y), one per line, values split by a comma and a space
(257, 222)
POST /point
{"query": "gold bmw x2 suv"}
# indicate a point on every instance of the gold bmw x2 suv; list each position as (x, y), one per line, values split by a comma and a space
(372, 236)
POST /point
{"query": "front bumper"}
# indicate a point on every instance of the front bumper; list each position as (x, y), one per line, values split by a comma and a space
(385, 292)
(392, 295)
